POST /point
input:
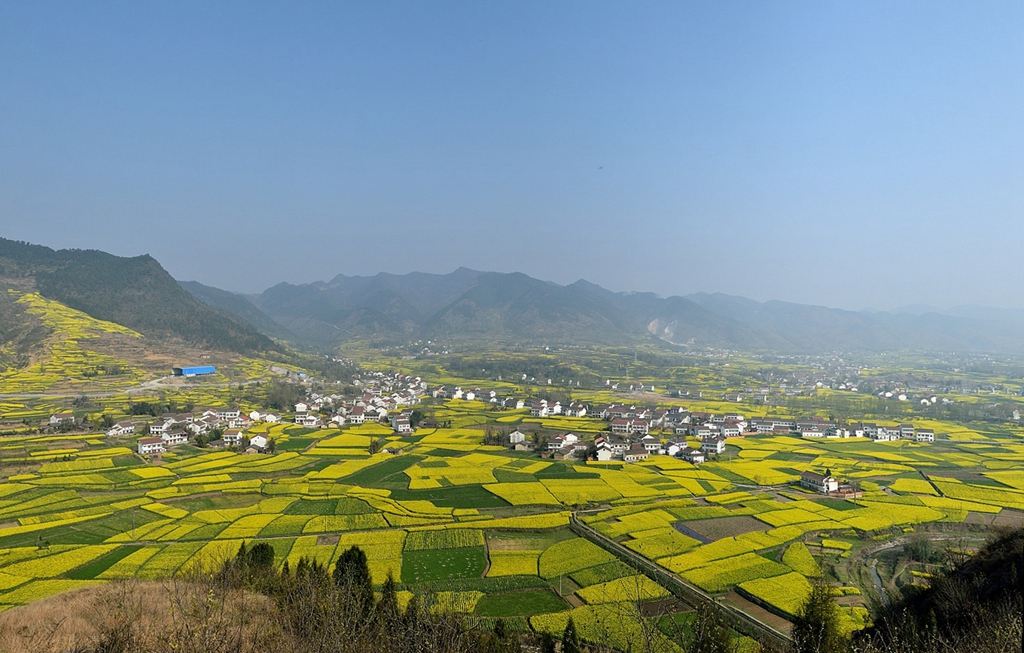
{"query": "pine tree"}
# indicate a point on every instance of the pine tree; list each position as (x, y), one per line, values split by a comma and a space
(708, 633)
(260, 556)
(816, 627)
(411, 617)
(570, 638)
(387, 607)
(500, 630)
(353, 573)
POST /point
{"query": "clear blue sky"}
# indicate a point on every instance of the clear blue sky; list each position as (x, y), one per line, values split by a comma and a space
(844, 153)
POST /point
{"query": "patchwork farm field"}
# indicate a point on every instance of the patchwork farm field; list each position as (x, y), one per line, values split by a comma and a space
(487, 528)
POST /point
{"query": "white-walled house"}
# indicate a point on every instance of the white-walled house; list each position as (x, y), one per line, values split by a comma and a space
(694, 456)
(636, 453)
(712, 445)
(822, 483)
(59, 419)
(122, 428)
(357, 415)
(151, 446)
(174, 438)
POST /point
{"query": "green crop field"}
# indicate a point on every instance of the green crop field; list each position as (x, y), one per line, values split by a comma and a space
(482, 528)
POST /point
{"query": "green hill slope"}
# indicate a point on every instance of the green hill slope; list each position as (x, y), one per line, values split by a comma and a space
(135, 292)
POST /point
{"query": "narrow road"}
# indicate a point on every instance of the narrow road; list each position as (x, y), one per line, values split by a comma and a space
(146, 386)
(739, 620)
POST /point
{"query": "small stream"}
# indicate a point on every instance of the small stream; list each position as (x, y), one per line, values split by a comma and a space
(876, 578)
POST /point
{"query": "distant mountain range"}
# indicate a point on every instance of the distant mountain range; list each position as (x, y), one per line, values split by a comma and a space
(473, 305)
(469, 304)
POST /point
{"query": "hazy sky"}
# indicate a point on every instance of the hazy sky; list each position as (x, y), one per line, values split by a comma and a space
(845, 153)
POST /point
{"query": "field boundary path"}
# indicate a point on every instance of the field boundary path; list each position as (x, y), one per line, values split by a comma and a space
(739, 620)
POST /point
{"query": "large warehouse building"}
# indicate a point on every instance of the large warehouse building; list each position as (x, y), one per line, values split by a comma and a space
(194, 370)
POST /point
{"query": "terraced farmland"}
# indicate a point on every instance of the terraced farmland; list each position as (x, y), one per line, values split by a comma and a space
(478, 524)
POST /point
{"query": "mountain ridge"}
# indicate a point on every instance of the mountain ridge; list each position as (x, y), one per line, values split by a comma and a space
(474, 304)
(136, 292)
(469, 304)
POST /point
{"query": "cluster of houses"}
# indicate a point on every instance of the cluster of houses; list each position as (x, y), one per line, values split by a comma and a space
(610, 446)
(819, 428)
(176, 429)
(629, 437)
(641, 420)
(384, 398)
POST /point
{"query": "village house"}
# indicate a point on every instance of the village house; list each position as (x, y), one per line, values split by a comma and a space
(175, 435)
(618, 411)
(617, 445)
(259, 443)
(228, 413)
(232, 437)
(730, 429)
(886, 434)
(539, 408)
(562, 440)
(196, 427)
(822, 483)
(675, 448)
(621, 426)
(122, 428)
(62, 419)
(308, 420)
(694, 456)
(635, 453)
(356, 416)
(526, 445)
(150, 446)
(641, 426)
(400, 424)
(812, 431)
(516, 437)
(924, 435)
(576, 409)
(712, 445)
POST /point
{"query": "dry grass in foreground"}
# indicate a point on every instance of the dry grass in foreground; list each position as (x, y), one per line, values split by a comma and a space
(145, 616)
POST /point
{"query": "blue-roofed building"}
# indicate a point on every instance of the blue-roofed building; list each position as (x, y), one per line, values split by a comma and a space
(194, 370)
